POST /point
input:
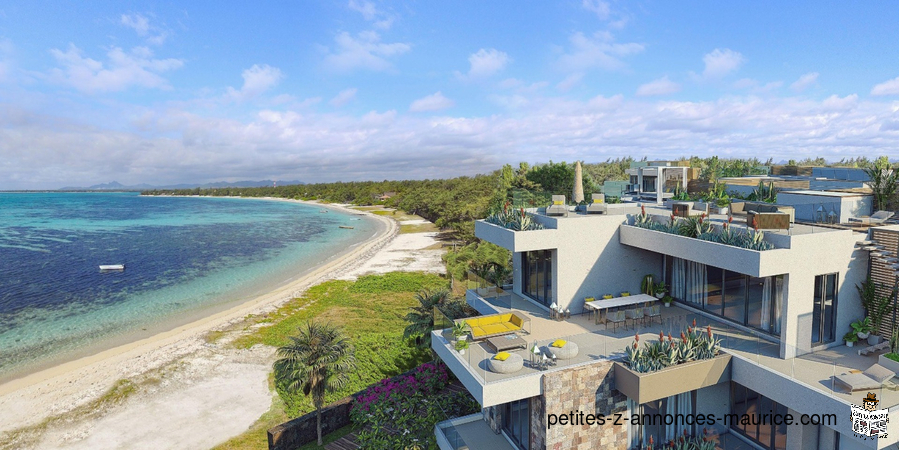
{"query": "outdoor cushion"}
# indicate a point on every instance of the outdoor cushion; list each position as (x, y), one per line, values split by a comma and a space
(589, 299)
(513, 363)
(557, 203)
(515, 320)
(559, 343)
(625, 294)
(879, 373)
(494, 328)
(607, 296)
(501, 356)
(505, 317)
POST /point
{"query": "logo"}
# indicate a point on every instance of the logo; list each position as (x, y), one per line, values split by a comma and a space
(867, 420)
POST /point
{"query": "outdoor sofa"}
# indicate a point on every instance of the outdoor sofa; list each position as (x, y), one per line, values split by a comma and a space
(876, 218)
(484, 327)
(743, 209)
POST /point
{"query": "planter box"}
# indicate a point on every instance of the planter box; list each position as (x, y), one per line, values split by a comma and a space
(888, 363)
(646, 387)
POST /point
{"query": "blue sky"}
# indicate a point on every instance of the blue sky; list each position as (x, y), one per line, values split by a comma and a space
(166, 92)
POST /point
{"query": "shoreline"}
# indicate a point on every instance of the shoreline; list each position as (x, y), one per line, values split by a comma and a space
(68, 385)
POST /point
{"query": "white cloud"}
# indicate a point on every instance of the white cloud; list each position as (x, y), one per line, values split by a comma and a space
(433, 102)
(757, 87)
(570, 81)
(371, 13)
(484, 63)
(141, 25)
(662, 86)
(365, 51)
(256, 80)
(122, 70)
(721, 62)
(599, 7)
(599, 51)
(804, 82)
(45, 150)
(889, 87)
(343, 97)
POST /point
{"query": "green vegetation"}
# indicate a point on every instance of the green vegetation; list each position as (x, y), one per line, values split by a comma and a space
(892, 356)
(331, 437)
(884, 182)
(370, 311)
(420, 318)
(693, 345)
(317, 361)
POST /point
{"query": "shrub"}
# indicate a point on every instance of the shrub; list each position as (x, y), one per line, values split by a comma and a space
(694, 344)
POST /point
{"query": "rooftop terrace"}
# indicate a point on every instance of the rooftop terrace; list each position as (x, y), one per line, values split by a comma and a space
(812, 371)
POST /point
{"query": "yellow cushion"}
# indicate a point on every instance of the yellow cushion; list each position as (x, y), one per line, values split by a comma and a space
(597, 200)
(506, 317)
(511, 326)
(557, 202)
(490, 320)
(607, 296)
(559, 343)
(477, 332)
(501, 356)
(625, 294)
(473, 322)
(494, 328)
(589, 299)
(515, 320)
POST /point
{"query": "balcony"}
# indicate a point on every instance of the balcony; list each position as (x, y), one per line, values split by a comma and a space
(804, 384)
(517, 241)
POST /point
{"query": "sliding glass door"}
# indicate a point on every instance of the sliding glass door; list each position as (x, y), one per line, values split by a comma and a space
(517, 423)
(746, 300)
(537, 275)
(824, 310)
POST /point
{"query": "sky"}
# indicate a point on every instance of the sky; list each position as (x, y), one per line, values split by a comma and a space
(172, 92)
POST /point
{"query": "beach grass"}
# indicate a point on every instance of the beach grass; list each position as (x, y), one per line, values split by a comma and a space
(427, 227)
(371, 312)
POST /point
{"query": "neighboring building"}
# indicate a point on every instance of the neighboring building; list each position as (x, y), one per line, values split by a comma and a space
(781, 313)
(658, 180)
(383, 197)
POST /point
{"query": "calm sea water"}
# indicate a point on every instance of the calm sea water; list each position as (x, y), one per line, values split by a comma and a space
(184, 257)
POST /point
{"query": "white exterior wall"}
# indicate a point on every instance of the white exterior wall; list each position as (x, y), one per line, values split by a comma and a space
(806, 205)
(588, 260)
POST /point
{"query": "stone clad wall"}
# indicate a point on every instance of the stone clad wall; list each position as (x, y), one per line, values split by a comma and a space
(588, 389)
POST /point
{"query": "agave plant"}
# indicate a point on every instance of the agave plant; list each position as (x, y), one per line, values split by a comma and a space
(643, 220)
(514, 219)
(755, 240)
(693, 344)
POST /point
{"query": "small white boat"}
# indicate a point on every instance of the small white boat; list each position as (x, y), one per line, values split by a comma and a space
(112, 267)
(346, 227)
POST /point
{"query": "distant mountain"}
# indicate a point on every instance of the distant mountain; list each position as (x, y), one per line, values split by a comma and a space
(116, 186)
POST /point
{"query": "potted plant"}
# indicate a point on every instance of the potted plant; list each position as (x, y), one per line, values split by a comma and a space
(721, 205)
(876, 306)
(660, 290)
(862, 327)
(461, 346)
(460, 330)
(851, 338)
(647, 285)
(666, 300)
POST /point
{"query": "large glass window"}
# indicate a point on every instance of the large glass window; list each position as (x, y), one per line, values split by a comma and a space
(537, 280)
(653, 423)
(517, 423)
(750, 301)
(824, 310)
(756, 426)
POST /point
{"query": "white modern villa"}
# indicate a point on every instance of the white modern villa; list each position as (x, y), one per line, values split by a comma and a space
(781, 314)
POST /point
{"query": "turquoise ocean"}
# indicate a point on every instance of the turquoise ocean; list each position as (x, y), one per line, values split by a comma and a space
(185, 258)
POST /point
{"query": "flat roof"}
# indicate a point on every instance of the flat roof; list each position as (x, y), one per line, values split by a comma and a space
(825, 193)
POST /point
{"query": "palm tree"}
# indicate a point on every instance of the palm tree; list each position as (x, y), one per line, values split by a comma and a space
(318, 360)
(421, 318)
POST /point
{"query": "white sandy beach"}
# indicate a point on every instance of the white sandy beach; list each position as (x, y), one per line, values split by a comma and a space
(199, 394)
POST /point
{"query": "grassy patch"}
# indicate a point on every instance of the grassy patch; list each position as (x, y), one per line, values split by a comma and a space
(371, 312)
(419, 228)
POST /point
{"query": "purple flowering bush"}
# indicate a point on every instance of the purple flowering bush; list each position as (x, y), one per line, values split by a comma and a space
(401, 412)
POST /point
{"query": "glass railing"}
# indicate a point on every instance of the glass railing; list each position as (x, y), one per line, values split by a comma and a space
(452, 435)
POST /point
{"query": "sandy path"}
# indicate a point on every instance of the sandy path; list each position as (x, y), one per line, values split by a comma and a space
(208, 392)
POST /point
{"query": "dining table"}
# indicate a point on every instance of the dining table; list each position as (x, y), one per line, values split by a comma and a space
(601, 305)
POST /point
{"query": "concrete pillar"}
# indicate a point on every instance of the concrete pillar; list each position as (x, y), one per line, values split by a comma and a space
(659, 178)
(801, 437)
